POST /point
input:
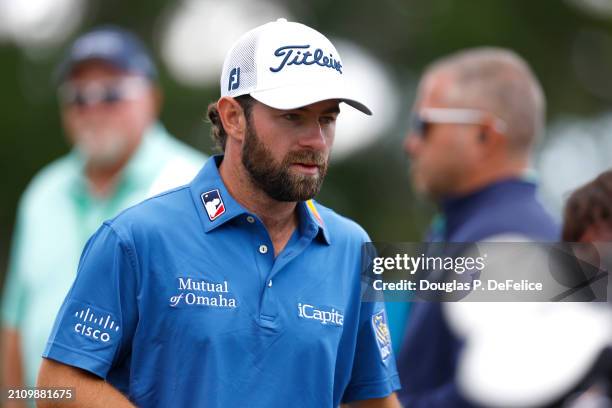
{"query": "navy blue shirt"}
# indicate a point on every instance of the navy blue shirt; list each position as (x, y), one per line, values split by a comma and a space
(428, 358)
(180, 301)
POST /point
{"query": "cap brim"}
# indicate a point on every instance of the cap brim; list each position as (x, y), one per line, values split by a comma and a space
(66, 67)
(293, 97)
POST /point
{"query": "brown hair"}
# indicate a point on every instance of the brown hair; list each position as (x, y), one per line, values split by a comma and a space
(588, 205)
(217, 132)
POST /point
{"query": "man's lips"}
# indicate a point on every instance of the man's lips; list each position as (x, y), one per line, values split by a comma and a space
(306, 168)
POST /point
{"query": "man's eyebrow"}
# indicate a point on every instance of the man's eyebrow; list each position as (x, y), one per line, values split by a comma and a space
(333, 109)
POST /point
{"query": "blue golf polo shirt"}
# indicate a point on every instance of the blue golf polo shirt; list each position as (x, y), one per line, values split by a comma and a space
(180, 301)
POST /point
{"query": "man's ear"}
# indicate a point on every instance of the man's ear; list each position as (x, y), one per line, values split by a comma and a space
(492, 143)
(158, 99)
(232, 117)
(483, 136)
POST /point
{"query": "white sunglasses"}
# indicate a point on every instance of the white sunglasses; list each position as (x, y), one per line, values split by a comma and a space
(422, 119)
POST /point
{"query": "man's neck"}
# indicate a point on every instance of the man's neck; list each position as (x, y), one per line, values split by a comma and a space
(279, 217)
(484, 177)
(102, 181)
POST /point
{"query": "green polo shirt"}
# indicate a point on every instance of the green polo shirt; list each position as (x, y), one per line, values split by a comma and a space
(56, 216)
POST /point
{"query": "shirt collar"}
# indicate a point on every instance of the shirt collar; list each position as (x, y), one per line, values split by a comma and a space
(140, 167)
(459, 208)
(500, 190)
(215, 204)
(208, 190)
(308, 211)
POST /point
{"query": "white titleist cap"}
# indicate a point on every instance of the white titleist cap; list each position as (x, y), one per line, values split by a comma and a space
(286, 65)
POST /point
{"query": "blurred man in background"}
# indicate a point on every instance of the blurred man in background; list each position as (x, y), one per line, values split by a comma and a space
(476, 119)
(109, 105)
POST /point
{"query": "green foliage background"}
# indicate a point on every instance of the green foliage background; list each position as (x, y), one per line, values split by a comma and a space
(371, 186)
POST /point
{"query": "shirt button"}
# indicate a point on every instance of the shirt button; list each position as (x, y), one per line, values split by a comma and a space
(270, 283)
(250, 219)
(263, 249)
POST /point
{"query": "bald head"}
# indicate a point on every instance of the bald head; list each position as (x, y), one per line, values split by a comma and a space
(455, 152)
(497, 81)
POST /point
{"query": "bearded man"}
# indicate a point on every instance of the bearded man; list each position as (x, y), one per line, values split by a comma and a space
(238, 289)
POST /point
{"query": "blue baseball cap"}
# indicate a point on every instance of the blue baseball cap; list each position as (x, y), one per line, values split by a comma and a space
(113, 45)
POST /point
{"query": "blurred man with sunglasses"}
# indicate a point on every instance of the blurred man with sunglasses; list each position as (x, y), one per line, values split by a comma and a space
(476, 119)
(109, 102)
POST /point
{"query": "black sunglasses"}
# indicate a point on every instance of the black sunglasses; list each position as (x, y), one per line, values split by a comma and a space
(419, 126)
(109, 93)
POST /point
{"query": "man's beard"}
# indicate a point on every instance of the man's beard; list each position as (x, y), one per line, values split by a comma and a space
(276, 180)
(102, 148)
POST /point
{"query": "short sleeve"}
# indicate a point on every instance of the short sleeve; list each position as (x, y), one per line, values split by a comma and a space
(96, 322)
(14, 293)
(374, 373)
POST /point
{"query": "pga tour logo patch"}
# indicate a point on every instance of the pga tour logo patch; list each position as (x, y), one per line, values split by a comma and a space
(381, 331)
(213, 203)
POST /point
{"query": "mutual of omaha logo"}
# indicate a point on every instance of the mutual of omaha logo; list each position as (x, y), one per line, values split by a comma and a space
(381, 331)
(96, 327)
(193, 292)
(213, 203)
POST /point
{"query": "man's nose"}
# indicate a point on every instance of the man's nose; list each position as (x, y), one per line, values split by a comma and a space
(411, 144)
(314, 137)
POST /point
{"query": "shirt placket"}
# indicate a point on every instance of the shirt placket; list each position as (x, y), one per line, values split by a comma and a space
(270, 268)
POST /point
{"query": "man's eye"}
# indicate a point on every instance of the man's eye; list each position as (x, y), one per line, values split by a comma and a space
(327, 120)
(292, 117)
